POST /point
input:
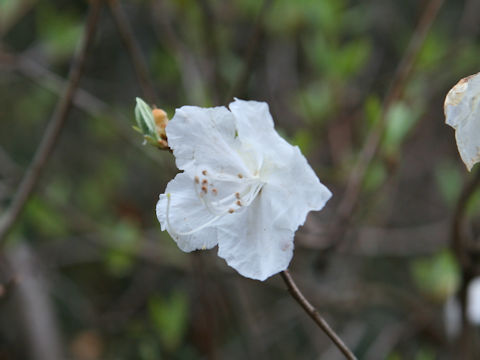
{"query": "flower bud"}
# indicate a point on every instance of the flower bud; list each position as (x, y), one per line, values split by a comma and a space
(161, 121)
(151, 124)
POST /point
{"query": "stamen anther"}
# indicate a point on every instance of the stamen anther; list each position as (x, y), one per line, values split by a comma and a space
(204, 172)
(237, 195)
(231, 211)
(197, 180)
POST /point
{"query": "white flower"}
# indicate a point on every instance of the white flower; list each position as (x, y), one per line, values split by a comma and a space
(473, 301)
(462, 112)
(243, 187)
(453, 313)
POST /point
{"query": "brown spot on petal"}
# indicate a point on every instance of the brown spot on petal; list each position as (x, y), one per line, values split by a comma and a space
(456, 94)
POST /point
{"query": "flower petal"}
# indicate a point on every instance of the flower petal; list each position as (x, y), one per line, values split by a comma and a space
(205, 139)
(295, 189)
(186, 213)
(257, 133)
(253, 118)
(462, 112)
(252, 244)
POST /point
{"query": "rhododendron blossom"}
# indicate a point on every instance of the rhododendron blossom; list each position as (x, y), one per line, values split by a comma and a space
(462, 112)
(243, 187)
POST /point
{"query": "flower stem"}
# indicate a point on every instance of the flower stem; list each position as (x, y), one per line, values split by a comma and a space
(315, 315)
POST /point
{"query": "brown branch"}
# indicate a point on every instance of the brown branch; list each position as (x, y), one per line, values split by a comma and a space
(242, 79)
(314, 314)
(462, 246)
(83, 100)
(211, 42)
(53, 130)
(192, 77)
(20, 9)
(459, 239)
(395, 92)
(133, 49)
(35, 305)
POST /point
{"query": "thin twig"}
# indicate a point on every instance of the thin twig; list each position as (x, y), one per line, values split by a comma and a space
(242, 79)
(459, 239)
(83, 100)
(395, 92)
(192, 77)
(462, 246)
(36, 307)
(314, 314)
(211, 42)
(20, 9)
(53, 130)
(138, 61)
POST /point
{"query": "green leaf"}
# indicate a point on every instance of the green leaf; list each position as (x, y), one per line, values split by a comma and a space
(169, 317)
(59, 31)
(45, 220)
(123, 237)
(304, 140)
(350, 58)
(449, 181)
(372, 109)
(394, 356)
(400, 120)
(473, 207)
(375, 176)
(433, 50)
(144, 118)
(437, 276)
(425, 353)
(316, 102)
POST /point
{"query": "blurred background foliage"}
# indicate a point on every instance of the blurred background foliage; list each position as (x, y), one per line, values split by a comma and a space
(111, 285)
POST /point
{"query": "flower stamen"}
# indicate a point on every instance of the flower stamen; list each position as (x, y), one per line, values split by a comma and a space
(251, 188)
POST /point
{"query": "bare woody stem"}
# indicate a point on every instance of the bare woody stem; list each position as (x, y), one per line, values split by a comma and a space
(459, 238)
(315, 315)
(133, 48)
(402, 74)
(462, 246)
(52, 133)
(241, 80)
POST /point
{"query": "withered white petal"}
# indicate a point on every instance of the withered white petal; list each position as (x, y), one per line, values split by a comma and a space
(243, 187)
(462, 112)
